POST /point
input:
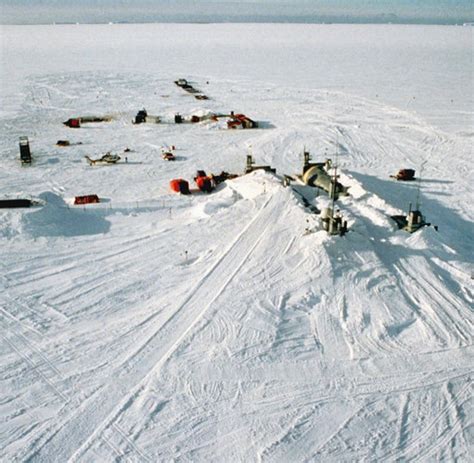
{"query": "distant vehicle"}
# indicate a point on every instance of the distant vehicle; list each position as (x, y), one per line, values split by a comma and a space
(241, 121)
(141, 116)
(76, 122)
(405, 175)
(107, 158)
(168, 156)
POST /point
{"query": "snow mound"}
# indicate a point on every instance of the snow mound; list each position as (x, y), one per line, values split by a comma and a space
(210, 205)
(56, 219)
(255, 184)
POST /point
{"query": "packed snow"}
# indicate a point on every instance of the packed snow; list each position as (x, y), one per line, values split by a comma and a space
(229, 326)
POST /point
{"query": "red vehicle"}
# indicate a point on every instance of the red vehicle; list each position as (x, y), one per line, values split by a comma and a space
(241, 121)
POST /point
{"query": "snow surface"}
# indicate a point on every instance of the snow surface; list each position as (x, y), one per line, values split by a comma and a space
(159, 327)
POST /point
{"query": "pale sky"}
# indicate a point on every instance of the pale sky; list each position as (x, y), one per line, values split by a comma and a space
(99, 11)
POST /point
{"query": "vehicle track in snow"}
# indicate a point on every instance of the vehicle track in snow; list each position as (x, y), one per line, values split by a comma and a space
(16, 339)
(382, 368)
(438, 322)
(352, 275)
(302, 437)
(441, 318)
(86, 423)
(421, 447)
(360, 396)
(263, 273)
(126, 266)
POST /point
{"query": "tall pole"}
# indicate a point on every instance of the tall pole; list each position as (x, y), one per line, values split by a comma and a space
(419, 186)
(335, 176)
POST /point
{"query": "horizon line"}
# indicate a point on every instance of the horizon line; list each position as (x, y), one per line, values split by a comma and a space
(328, 23)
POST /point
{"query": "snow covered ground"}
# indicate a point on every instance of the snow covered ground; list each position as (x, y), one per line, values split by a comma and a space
(159, 327)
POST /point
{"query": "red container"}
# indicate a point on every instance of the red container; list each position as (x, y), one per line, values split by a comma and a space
(179, 185)
(204, 184)
(88, 199)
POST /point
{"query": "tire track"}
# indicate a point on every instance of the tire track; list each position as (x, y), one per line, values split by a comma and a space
(441, 319)
(85, 425)
(422, 438)
(37, 361)
(116, 438)
(404, 420)
(22, 324)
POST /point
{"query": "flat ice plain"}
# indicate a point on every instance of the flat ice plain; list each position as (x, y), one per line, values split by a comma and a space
(157, 327)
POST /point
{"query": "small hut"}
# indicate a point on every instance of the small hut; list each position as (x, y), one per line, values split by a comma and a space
(25, 153)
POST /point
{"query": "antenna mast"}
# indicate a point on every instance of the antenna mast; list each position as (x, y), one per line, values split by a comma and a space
(335, 171)
(419, 186)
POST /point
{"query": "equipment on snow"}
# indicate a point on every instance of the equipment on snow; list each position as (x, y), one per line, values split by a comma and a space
(14, 203)
(316, 174)
(87, 199)
(25, 153)
(180, 185)
(250, 166)
(168, 156)
(204, 183)
(333, 222)
(405, 175)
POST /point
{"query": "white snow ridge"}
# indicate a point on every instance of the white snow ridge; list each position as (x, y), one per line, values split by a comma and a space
(230, 326)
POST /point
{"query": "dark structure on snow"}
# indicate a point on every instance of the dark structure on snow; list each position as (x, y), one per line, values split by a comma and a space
(25, 153)
(250, 166)
(405, 175)
(411, 222)
(14, 203)
(316, 174)
(180, 185)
